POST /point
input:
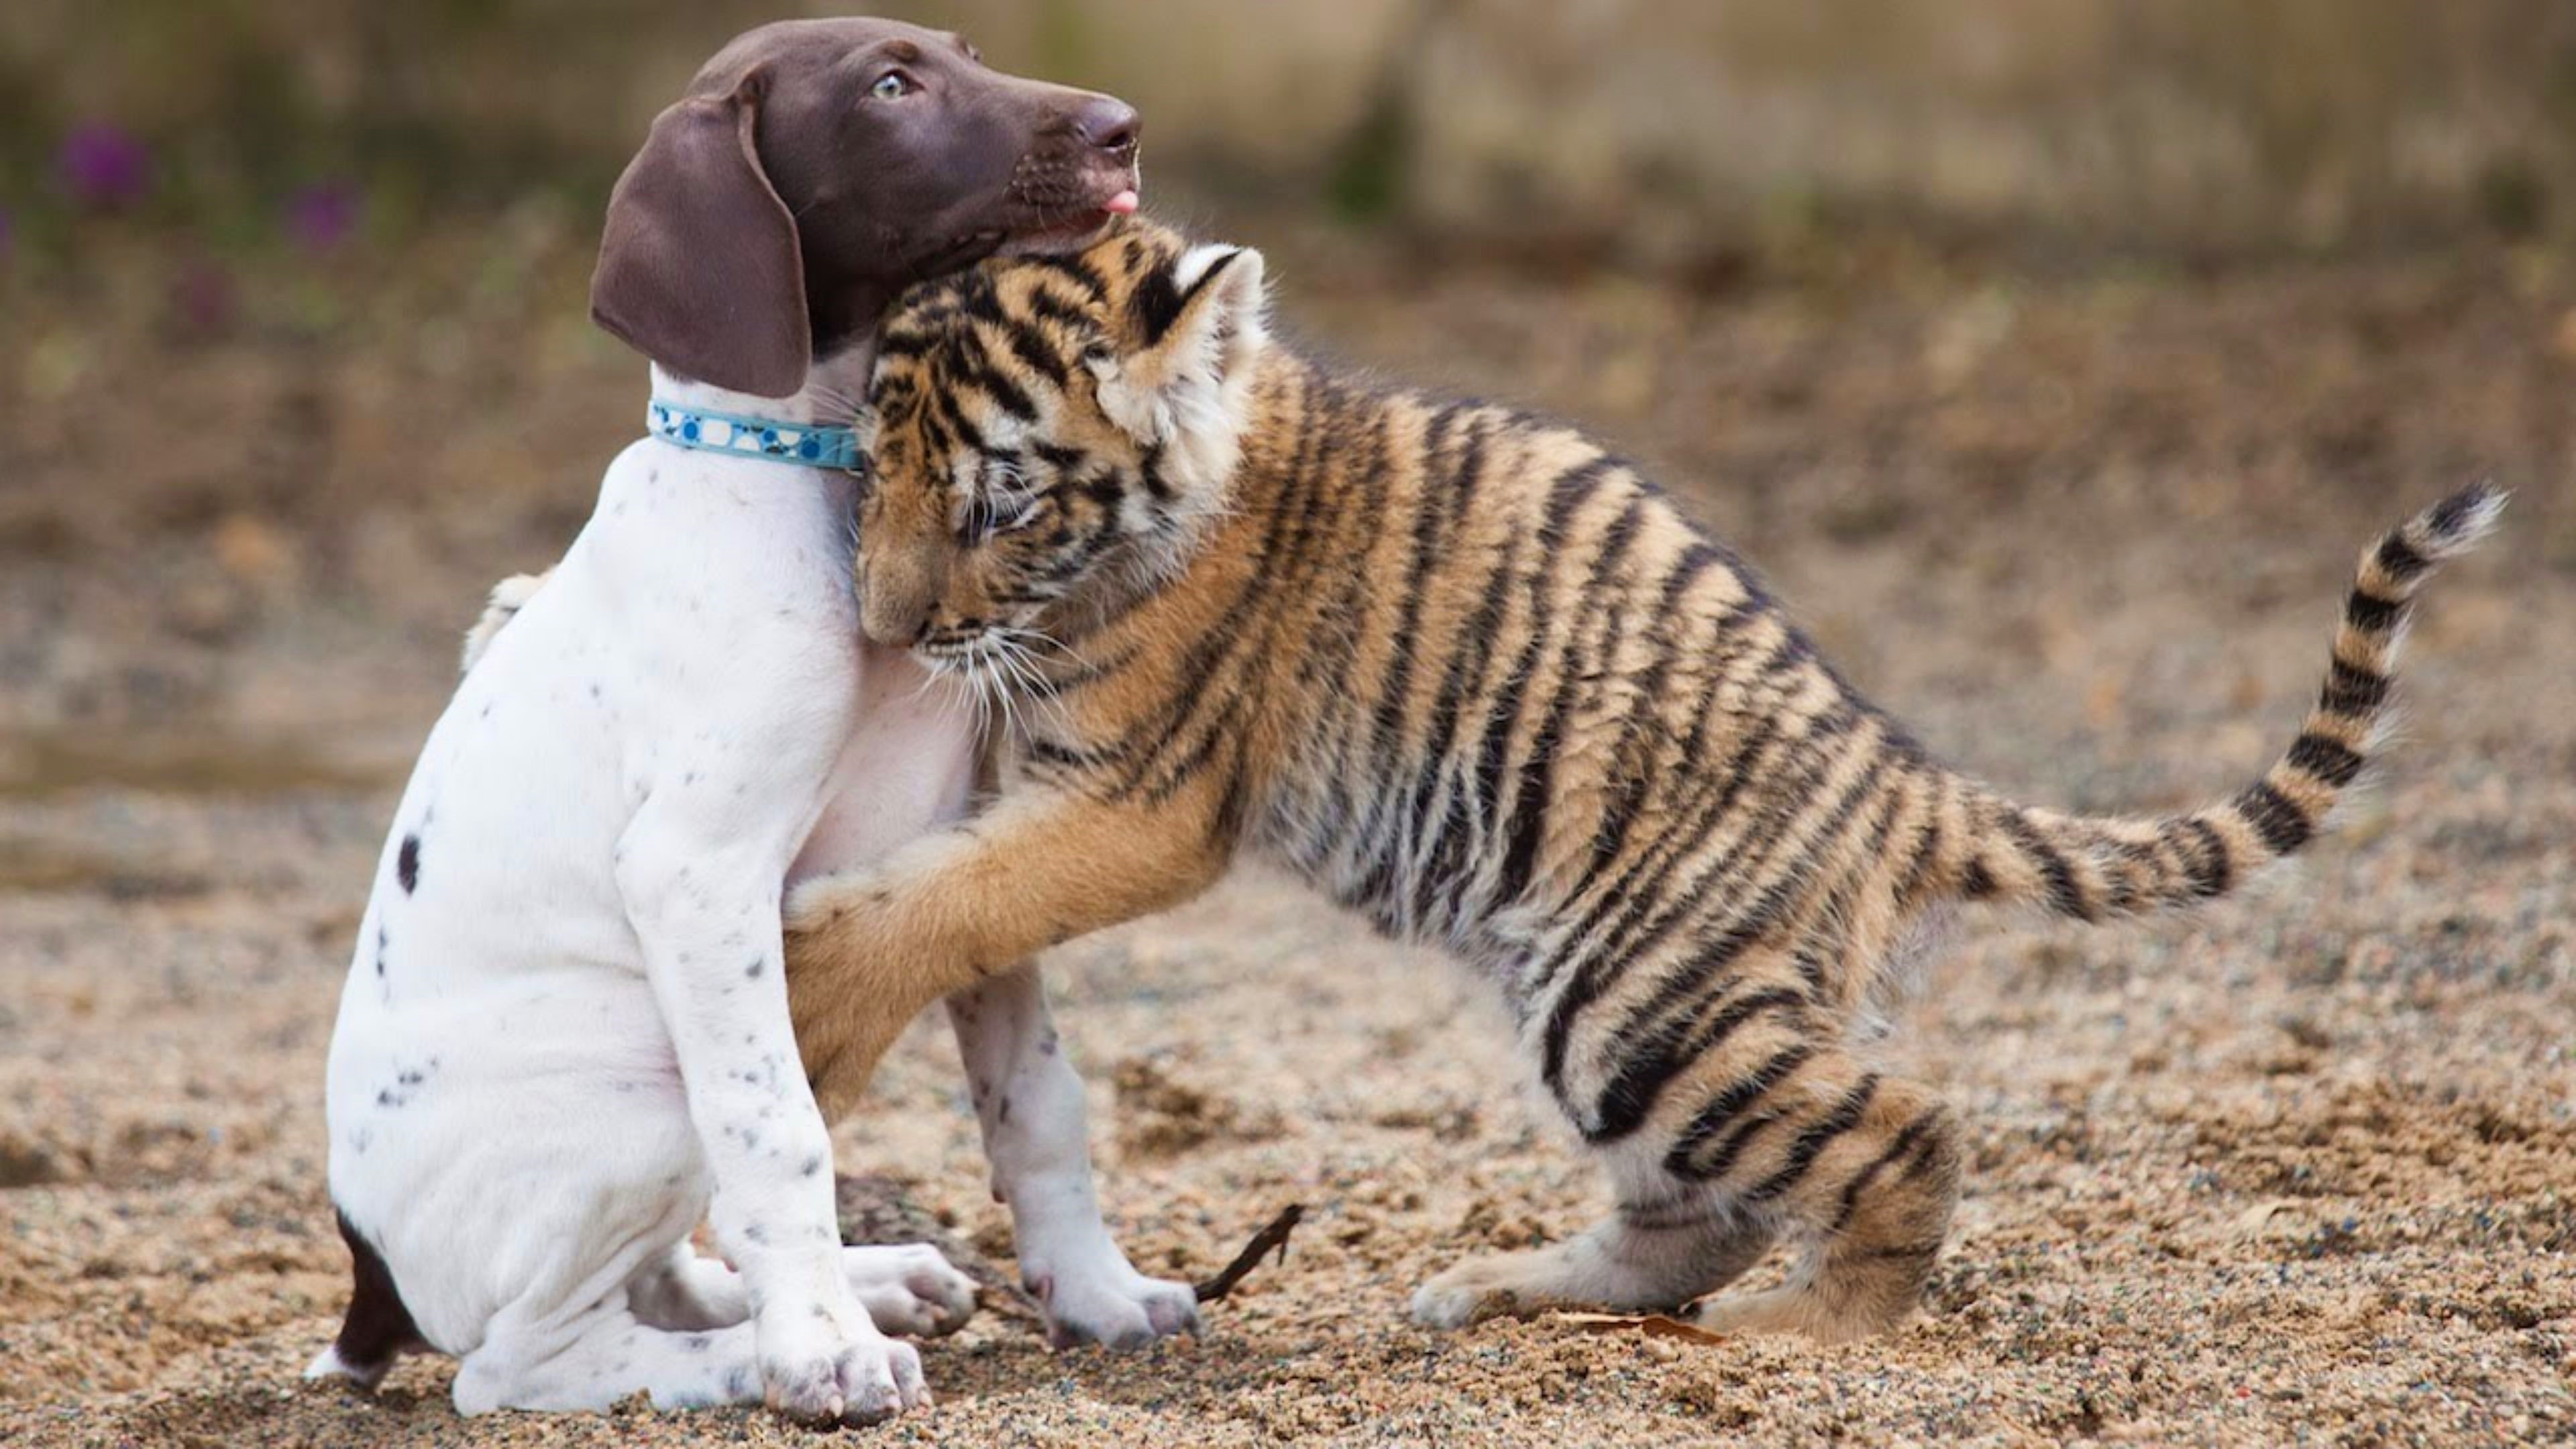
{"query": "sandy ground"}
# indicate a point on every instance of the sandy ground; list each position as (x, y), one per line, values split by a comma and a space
(2301, 1168)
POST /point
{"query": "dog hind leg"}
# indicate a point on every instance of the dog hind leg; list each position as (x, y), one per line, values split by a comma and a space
(907, 1289)
(607, 1355)
(687, 1292)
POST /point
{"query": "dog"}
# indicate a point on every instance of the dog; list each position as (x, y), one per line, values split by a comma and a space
(564, 1040)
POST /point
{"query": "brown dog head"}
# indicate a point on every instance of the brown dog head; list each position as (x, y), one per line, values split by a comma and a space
(815, 168)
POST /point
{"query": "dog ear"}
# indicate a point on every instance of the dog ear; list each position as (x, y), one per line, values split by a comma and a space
(698, 265)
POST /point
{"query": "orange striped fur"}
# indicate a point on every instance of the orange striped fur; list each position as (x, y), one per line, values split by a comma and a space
(1473, 676)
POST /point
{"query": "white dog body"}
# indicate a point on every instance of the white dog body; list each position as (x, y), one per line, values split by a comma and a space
(564, 1041)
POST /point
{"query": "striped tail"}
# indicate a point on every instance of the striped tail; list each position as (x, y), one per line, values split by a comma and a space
(2093, 868)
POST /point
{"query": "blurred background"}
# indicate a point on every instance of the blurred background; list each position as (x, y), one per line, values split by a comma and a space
(2053, 356)
(2031, 324)
(295, 331)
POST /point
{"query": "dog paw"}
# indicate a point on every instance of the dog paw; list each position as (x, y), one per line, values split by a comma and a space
(1115, 1306)
(825, 1364)
(909, 1289)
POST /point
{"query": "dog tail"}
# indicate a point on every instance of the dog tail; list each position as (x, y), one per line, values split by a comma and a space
(378, 1328)
(508, 597)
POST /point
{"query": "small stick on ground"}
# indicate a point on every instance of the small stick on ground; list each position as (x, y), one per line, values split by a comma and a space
(1273, 1236)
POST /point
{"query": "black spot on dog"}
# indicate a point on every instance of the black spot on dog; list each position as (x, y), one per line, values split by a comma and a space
(1047, 1044)
(812, 1166)
(407, 864)
(752, 971)
(378, 1326)
(382, 942)
(697, 1343)
(756, 1233)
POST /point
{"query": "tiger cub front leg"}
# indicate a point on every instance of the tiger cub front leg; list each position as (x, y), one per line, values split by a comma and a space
(868, 951)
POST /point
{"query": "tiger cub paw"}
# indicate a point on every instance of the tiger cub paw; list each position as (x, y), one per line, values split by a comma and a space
(1796, 1311)
(1500, 1285)
(852, 905)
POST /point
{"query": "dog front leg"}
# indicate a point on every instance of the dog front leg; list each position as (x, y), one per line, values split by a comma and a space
(1029, 1102)
(704, 904)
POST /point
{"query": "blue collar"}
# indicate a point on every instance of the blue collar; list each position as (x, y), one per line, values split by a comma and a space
(798, 445)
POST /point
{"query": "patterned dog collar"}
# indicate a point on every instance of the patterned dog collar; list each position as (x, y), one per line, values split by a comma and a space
(798, 445)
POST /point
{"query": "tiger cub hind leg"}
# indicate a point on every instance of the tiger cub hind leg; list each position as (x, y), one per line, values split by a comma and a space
(1649, 1257)
(1860, 1170)
(1865, 1169)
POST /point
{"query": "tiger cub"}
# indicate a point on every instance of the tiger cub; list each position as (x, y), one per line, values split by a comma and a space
(1470, 674)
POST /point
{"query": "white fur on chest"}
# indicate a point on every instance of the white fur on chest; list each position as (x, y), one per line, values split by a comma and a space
(513, 814)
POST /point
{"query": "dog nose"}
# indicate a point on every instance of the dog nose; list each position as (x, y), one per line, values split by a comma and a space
(1109, 124)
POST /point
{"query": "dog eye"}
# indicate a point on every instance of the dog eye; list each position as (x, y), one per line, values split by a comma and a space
(894, 85)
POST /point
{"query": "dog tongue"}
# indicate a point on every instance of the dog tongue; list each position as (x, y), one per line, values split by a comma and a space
(1123, 204)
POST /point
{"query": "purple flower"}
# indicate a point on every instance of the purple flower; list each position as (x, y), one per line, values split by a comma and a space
(104, 167)
(319, 218)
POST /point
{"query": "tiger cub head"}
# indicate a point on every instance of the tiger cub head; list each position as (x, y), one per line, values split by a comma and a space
(1051, 434)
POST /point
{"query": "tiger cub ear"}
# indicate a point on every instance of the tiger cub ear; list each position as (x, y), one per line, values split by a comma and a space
(1190, 332)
